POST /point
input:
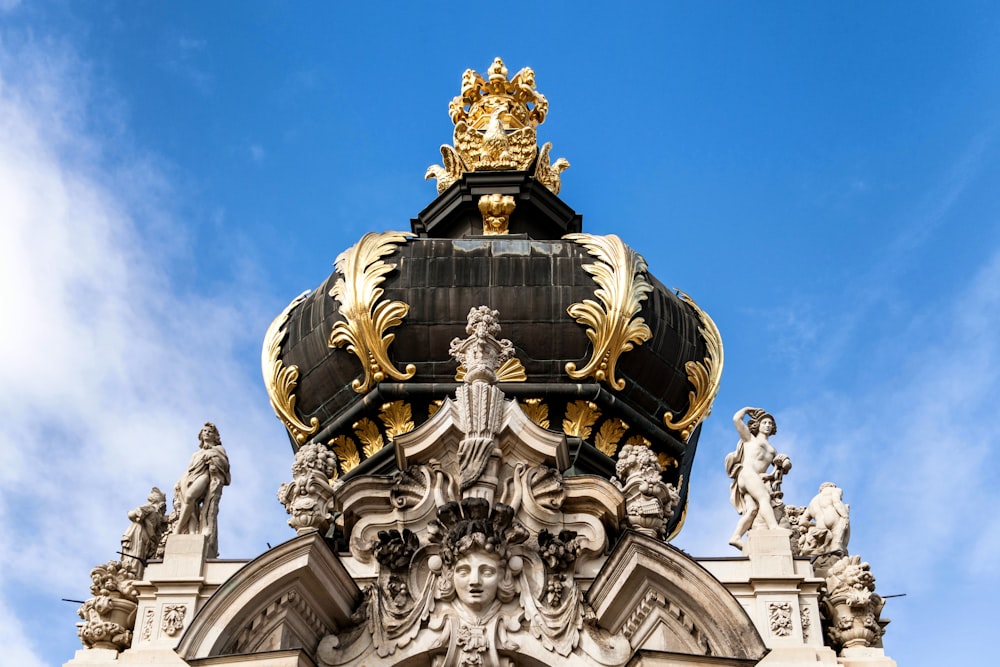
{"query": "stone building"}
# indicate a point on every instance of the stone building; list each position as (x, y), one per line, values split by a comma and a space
(494, 416)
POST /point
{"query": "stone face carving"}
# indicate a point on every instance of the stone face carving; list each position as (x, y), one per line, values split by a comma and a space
(309, 496)
(825, 523)
(649, 501)
(143, 535)
(756, 470)
(199, 489)
(851, 605)
(109, 616)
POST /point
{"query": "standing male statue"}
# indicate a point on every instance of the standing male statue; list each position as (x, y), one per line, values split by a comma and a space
(752, 486)
(200, 488)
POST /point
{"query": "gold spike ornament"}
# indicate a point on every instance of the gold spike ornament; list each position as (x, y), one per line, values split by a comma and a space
(366, 317)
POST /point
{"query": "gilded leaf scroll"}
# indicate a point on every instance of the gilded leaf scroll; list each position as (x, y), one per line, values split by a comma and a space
(366, 317)
(511, 370)
(612, 326)
(609, 435)
(281, 380)
(704, 375)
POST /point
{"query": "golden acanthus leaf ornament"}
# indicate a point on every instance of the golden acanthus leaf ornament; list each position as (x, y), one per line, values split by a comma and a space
(609, 435)
(280, 380)
(612, 326)
(370, 436)
(705, 376)
(366, 317)
(397, 417)
(346, 451)
(579, 419)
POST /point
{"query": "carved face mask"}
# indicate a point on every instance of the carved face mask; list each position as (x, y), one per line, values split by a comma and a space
(477, 577)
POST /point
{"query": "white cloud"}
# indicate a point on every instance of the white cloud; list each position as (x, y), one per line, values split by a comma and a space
(108, 370)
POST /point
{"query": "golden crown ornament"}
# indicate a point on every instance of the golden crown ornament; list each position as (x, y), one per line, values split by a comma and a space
(495, 120)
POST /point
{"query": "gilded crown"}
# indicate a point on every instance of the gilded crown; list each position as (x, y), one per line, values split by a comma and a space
(517, 99)
(495, 120)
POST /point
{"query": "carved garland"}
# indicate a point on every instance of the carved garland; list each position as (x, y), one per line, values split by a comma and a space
(612, 326)
(281, 381)
(704, 375)
(366, 319)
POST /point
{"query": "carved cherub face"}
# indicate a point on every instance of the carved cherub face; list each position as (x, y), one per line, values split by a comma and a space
(477, 577)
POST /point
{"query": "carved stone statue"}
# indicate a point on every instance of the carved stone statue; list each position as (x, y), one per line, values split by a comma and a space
(479, 401)
(756, 470)
(142, 537)
(851, 606)
(109, 616)
(649, 501)
(200, 488)
(832, 528)
(309, 496)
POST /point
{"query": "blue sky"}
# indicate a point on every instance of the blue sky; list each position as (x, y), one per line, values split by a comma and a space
(820, 177)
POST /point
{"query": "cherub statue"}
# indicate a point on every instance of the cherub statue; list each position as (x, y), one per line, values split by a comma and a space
(753, 486)
(832, 530)
(200, 488)
(143, 535)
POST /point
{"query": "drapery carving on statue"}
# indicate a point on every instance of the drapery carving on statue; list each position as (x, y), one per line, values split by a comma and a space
(756, 469)
(199, 489)
(649, 501)
(309, 496)
(479, 401)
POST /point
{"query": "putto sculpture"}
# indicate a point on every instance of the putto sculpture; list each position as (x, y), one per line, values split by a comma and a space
(199, 489)
(825, 523)
(756, 469)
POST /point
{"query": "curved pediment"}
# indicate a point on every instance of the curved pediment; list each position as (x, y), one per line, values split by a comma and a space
(662, 600)
(289, 597)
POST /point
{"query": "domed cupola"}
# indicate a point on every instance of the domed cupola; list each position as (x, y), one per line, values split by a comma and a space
(603, 352)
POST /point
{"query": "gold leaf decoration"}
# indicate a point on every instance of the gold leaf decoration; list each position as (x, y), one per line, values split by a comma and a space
(612, 325)
(279, 380)
(397, 417)
(346, 451)
(638, 441)
(370, 436)
(536, 410)
(609, 435)
(511, 370)
(366, 318)
(433, 407)
(705, 376)
(580, 417)
(666, 461)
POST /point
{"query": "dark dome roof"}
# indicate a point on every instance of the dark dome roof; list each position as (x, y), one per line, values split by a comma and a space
(429, 280)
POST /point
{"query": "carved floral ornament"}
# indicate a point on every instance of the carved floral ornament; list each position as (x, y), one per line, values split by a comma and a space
(495, 120)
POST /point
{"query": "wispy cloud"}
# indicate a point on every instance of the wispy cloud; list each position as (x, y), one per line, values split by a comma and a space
(110, 369)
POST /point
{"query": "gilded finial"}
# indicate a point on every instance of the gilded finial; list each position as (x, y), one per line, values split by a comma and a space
(495, 120)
